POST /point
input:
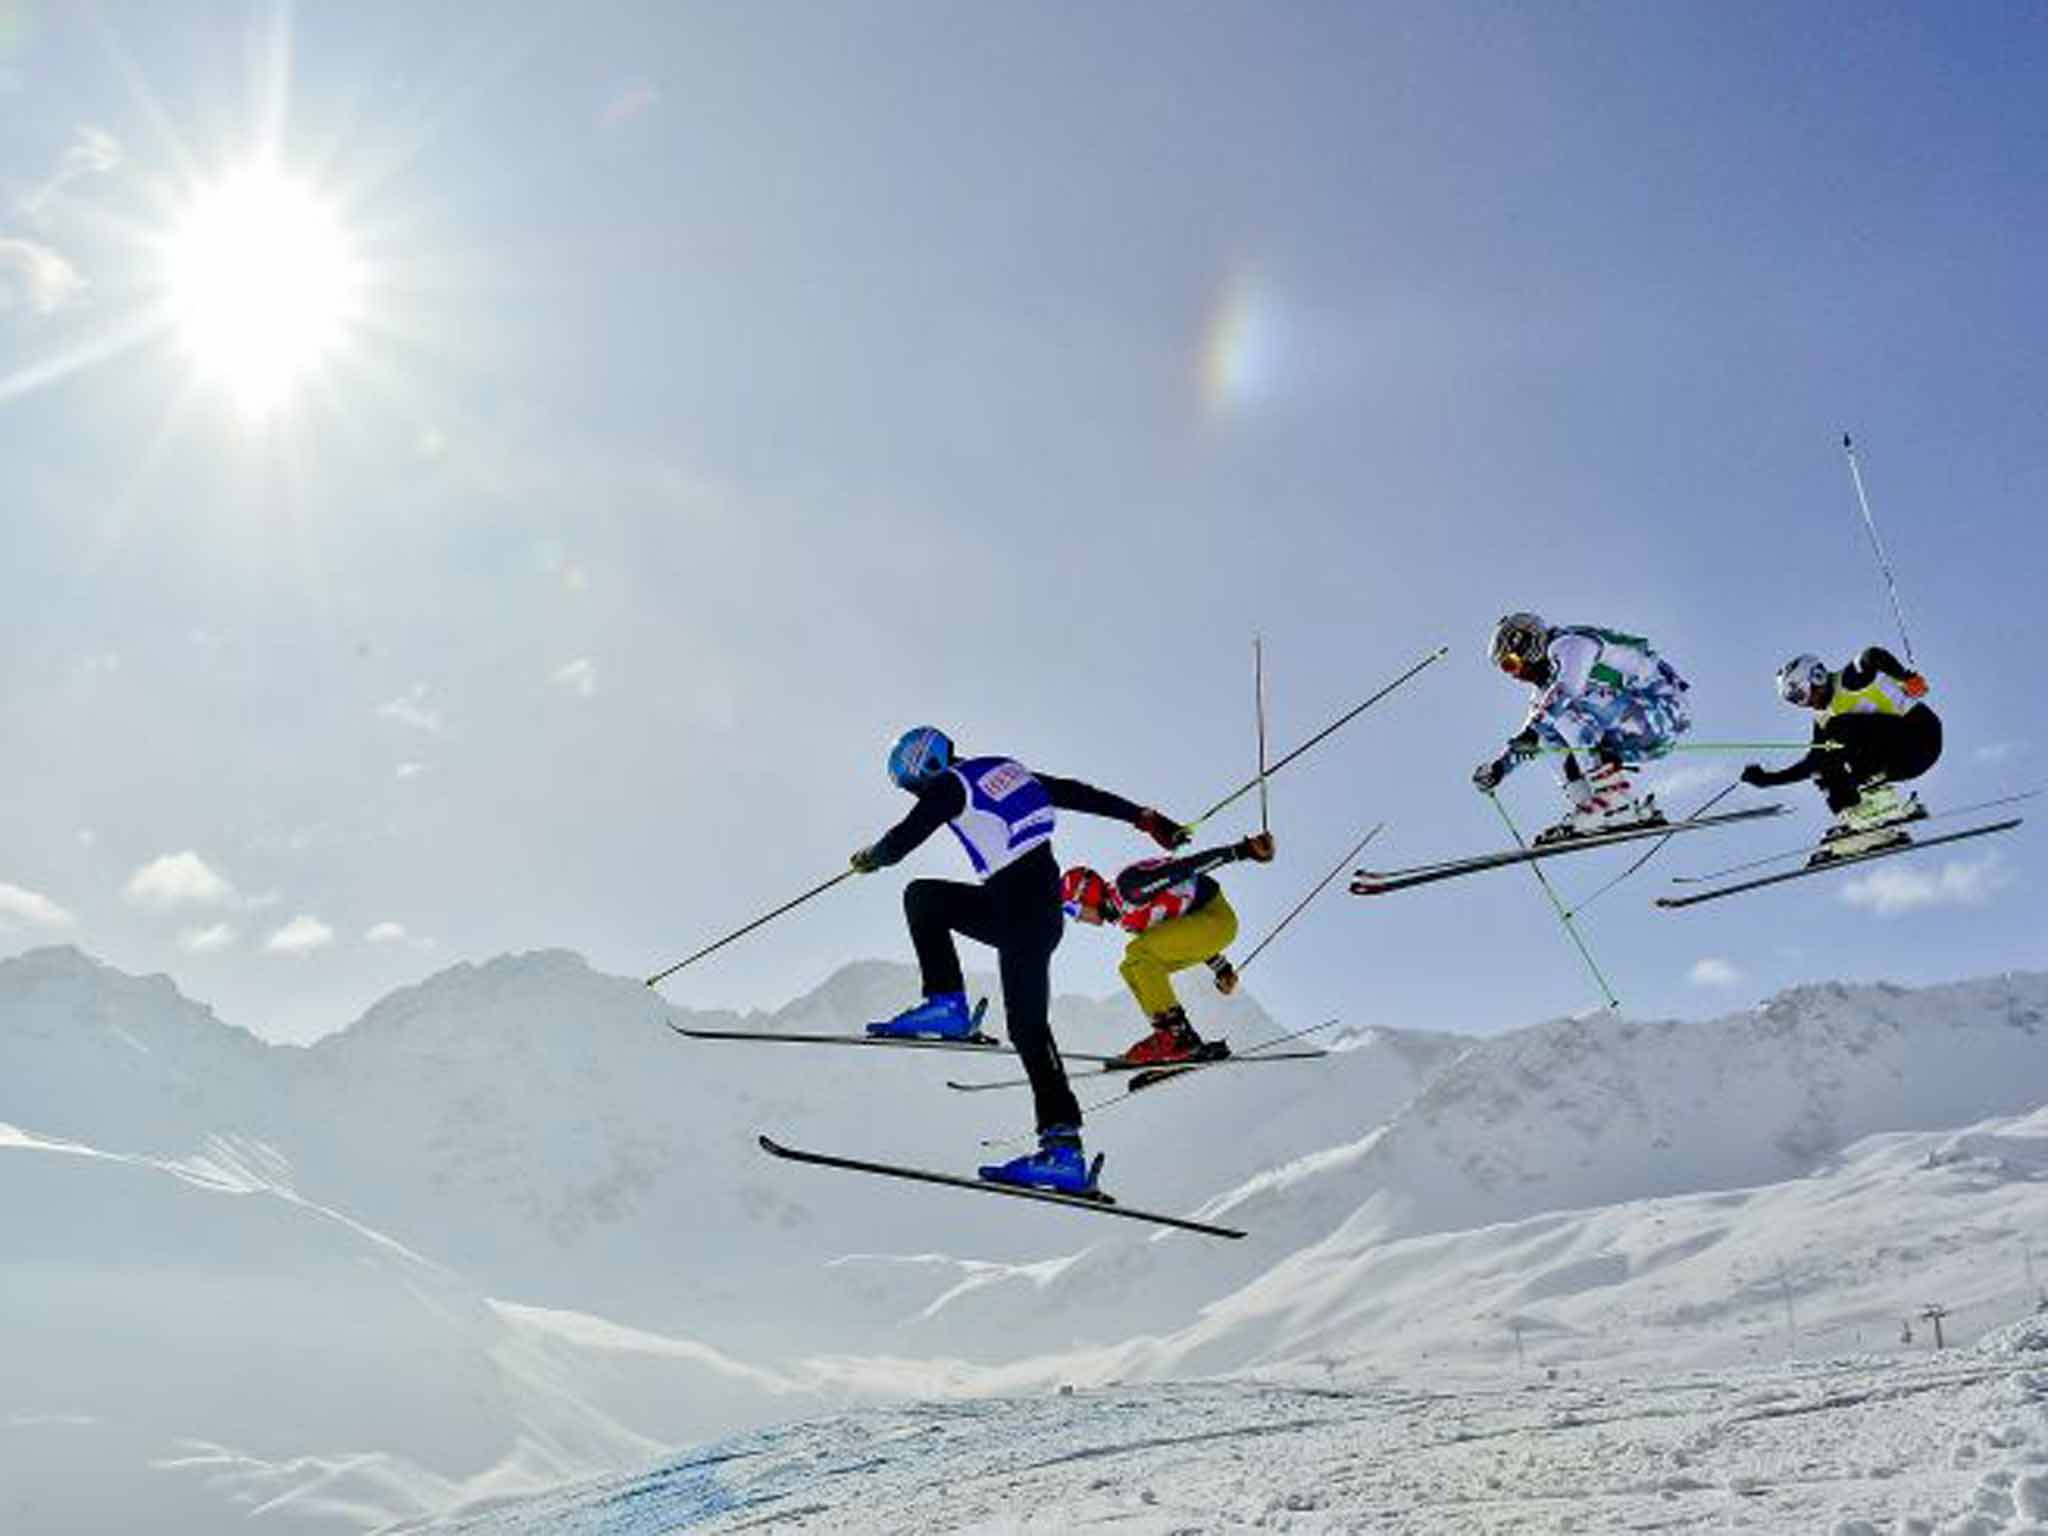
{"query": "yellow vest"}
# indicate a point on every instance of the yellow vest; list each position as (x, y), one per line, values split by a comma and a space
(1884, 696)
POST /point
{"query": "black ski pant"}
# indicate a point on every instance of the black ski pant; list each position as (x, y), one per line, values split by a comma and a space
(1016, 912)
(1867, 747)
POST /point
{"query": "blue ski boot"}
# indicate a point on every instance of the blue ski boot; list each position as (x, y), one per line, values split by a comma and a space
(1059, 1164)
(945, 1017)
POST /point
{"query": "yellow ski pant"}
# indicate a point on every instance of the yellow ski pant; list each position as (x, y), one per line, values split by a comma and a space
(1153, 956)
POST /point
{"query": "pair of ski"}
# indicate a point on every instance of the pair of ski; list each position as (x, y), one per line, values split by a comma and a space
(1369, 882)
(1821, 861)
(1094, 1201)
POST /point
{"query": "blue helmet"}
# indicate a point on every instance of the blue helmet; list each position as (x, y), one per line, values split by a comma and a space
(920, 755)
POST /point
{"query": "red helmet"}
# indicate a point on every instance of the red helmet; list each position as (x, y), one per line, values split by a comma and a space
(1082, 891)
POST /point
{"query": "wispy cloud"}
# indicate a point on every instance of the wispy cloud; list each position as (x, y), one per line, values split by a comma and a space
(302, 935)
(37, 276)
(411, 708)
(1908, 888)
(385, 933)
(578, 676)
(1995, 751)
(34, 272)
(1713, 972)
(206, 941)
(19, 905)
(94, 152)
(411, 770)
(178, 880)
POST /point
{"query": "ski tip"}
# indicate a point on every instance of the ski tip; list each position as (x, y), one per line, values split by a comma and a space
(770, 1145)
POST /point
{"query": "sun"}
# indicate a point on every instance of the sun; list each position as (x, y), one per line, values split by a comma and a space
(263, 283)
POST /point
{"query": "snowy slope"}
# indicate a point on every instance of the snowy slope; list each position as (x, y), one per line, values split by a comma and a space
(1569, 1115)
(1623, 1195)
(535, 1126)
(193, 1339)
(1955, 1443)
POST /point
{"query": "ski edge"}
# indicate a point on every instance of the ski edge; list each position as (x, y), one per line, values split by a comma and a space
(1693, 899)
(1100, 1205)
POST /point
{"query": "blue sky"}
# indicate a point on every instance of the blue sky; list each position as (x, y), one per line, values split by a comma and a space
(732, 386)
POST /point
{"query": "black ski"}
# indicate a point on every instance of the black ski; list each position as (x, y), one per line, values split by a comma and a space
(1144, 1076)
(975, 1044)
(1828, 866)
(1712, 875)
(1100, 1204)
(1368, 882)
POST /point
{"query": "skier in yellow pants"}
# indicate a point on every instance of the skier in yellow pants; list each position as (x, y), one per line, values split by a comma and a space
(1177, 917)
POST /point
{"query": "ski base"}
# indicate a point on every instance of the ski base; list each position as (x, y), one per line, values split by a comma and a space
(1829, 866)
(1098, 1203)
(1369, 882)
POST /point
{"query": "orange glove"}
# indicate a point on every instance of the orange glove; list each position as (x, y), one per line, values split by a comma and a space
(1915, 686)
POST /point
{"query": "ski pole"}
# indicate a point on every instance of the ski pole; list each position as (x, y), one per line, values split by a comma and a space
(1563, 916)
(1302, 904)
(1654, 848)
(1342, 720)
(740, 933)
(1877, 547)
(1259, 703)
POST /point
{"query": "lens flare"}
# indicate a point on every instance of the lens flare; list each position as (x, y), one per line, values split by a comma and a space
(1240, 346)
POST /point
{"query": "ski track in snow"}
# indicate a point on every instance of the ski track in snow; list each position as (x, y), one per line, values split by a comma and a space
(1953, 1443)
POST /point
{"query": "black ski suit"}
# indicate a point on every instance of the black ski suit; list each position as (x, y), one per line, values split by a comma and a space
(1853, 750)
(1015, 911)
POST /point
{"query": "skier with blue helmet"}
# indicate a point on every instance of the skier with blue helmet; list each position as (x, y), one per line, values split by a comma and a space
(1003, 815)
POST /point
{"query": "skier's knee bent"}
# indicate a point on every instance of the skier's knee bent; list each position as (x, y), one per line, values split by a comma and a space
(1147, 977)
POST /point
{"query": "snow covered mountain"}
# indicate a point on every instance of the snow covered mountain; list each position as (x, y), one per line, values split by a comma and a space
(514, 1177)
(534, 1125)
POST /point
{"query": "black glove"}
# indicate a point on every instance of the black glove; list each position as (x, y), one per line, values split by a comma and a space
(1487, 776)
(864, 861)
(1162, 829)
(1226, 977)
(1756, 775)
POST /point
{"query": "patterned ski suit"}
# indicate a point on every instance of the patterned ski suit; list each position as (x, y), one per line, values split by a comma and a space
(1608, 693)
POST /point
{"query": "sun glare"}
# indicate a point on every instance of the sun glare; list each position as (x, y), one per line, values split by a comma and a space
(263, 285)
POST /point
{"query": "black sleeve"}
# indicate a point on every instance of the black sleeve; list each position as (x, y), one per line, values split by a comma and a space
(1142, 883)
(1805, 768)
(1073, 795)
(1875, 660)
(938, 803)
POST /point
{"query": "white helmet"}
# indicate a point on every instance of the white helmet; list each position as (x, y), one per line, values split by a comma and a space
(1519, 643)
(1805, 681)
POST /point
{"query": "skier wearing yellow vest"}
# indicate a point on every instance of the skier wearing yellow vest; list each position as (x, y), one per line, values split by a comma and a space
(1176, 915)
(1871, 730)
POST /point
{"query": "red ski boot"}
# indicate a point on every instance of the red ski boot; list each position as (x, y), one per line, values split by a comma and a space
(1173, 1042)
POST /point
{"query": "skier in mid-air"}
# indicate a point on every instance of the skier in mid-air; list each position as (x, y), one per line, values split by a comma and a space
(1177, 916)
(1872, 728)
(1600, 693)
(1003, 814)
